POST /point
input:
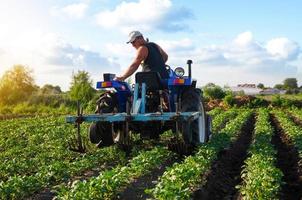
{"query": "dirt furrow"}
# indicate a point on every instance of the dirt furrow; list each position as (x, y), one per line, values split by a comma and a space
(225, 172)
(136, 190)
(295, 119)
(287, 161)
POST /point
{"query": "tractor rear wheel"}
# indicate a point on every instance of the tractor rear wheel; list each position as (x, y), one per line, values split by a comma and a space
(101, 132)
(194, 132)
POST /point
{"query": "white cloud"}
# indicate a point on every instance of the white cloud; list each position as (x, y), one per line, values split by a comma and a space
(53, 59)
(283, 48)
(144, 15)
(244, 39)
(185, 44)
(74, 11)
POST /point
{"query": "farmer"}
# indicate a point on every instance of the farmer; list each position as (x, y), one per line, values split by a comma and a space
(150, 55)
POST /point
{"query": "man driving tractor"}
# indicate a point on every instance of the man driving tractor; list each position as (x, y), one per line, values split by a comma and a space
(162, 99)
(150, 55)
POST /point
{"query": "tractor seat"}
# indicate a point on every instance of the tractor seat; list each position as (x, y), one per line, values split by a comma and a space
(152, 80)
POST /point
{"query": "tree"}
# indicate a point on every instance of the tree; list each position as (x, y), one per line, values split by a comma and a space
(81, 88)
(50, 89)
(290, 83)
(16, 85)
(260, 85)
(279, 86)
(213, 91)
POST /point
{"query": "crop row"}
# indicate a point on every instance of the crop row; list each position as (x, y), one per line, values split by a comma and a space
(31, 144)
(108, 183)
(291, 129)
(216, 111)
(261, 178)
(219, 120)
(296, 113)
(34, 155)
(20, 186)
(179, 181)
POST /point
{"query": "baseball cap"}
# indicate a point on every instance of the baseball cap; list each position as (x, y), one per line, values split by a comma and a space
(133, 35)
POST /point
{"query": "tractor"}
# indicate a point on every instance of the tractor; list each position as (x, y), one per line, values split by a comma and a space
(150, 107)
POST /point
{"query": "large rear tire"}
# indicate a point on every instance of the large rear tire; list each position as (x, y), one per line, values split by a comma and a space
(101, 132)
(194, 132)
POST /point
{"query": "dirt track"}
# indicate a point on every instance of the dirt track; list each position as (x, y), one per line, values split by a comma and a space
(225, 172)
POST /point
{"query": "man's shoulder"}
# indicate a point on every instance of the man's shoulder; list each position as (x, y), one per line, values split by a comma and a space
(142, 51)
(151, 44)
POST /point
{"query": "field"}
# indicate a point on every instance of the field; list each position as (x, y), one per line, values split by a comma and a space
(253, 154)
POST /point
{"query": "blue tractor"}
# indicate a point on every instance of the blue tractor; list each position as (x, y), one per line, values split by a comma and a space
(152, 106)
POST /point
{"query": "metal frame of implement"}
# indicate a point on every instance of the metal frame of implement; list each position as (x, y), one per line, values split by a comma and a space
(137, 113)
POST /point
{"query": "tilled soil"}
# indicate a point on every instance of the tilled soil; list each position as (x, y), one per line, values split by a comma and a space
(225, 172)
(288, 162)
(136, 190)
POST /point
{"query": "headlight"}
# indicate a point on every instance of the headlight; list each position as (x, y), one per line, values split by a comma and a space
(179, 71)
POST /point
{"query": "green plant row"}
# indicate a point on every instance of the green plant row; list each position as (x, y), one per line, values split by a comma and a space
(108, 183)
(219, 120)
(31, 144)
(215, 112)
(296, 113)
(261, 178)
(34, 155)
(291, 129)
(20, 186)
(181, 179)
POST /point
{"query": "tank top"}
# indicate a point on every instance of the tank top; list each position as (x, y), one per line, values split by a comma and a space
(154, 61)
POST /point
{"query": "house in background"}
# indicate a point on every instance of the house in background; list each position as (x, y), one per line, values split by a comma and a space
(251, 89)
(272, 91)
(248, 89)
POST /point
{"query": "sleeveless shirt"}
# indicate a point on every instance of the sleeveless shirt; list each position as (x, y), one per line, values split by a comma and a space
(154, 61)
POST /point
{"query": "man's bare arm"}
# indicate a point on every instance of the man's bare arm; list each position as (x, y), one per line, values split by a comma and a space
(142, 53)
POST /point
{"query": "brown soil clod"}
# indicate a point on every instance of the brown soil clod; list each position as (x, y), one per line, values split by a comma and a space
(288, 162)
(225, 171)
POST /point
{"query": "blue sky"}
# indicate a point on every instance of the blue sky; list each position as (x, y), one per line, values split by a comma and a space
(230, 42)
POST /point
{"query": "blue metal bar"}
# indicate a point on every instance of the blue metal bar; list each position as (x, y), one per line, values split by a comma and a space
(143, 98)
(135, 96)
(110, 117)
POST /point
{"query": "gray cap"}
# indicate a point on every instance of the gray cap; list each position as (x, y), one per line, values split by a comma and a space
(133, 35)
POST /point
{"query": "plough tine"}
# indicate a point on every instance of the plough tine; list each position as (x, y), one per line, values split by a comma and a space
(77, 144)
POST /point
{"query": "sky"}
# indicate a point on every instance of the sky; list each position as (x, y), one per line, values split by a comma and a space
(230, 42)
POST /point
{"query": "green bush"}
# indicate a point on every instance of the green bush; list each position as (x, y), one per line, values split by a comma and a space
(213, 91)
(4, 110)
(258, 102)
(24, 108)
(229, 100)
(52, 100)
